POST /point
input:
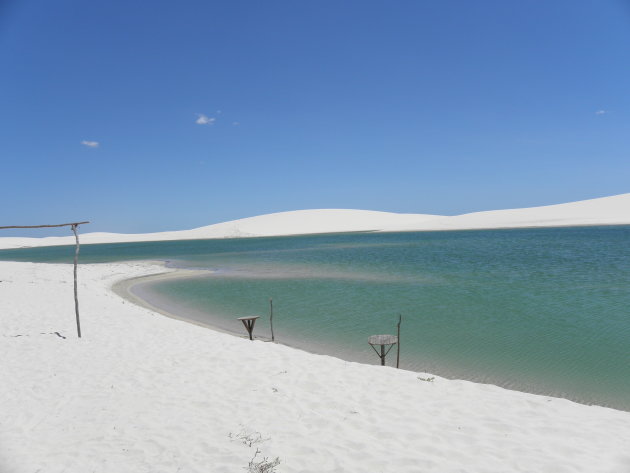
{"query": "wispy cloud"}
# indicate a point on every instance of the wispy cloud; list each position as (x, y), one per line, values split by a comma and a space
(235, 123)
(601, 112)
(90, 144)
(204, 120)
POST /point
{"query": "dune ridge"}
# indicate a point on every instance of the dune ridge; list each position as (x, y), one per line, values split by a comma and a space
(613, 210)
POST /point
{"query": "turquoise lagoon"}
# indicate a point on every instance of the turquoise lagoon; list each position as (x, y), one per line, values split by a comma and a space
(537, 310)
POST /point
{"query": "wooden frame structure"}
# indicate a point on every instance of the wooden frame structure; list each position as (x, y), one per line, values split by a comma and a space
(73, 226)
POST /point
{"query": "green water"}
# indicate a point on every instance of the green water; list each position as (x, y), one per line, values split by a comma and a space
(538, 310)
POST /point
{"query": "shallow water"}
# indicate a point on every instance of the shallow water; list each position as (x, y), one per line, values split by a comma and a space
(538, 310)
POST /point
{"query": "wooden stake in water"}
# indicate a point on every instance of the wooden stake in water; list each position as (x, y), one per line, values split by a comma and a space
(398, 354)
(273, 339)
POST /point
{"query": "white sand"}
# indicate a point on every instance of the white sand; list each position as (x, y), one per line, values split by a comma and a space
(613, 210)
(145, 393)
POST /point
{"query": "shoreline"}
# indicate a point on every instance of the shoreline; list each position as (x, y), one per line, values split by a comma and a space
(140, 390)
(6, 244)
(124, 289)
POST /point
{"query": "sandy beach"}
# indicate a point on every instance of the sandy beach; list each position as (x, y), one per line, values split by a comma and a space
(141, 392)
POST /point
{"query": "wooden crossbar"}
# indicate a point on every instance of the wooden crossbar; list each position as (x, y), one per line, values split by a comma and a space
(45, 226)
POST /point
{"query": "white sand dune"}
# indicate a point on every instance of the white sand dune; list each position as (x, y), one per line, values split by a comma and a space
(613, 210)
(143, 393)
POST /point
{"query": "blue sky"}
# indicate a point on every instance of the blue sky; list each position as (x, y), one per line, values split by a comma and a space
(441, 107)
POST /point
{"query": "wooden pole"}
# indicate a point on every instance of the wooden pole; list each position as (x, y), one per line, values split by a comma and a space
(398, 354)
(273, 339)
(76, 297)
(74, 226)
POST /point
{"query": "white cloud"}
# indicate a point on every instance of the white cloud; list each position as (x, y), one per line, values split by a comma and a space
(204, 120)
(90, 144)
(235, 123)
(601, 112)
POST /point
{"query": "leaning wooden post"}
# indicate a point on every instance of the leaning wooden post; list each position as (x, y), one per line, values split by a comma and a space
(74, 226)
(398, 354)
(76, 298)
(273, 339)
